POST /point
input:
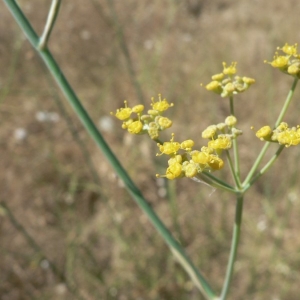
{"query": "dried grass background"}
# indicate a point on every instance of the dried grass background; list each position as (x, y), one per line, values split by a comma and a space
(85, 223)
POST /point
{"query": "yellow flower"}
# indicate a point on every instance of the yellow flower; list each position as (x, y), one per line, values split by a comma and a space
(190, 169)
(161, 105)
(282, 126)
(138, 108)
(209, 132)
(177, 158)
(229, 87)
(289, 49)
(288, 63)
(187, 145)
(173, 171)
(264, 133)
(288, 138)
(222, 142)
(218, 77)
(153, 133)
(127, 123)
(200, 157)
(294, 69)
(226, 86)
(221, 126)
(215, 162)
(236, 132)
(123, 113)
(282, 134)
(280, 61)
(135, 127)
(169, 148)
(248, 80)
(230, 120)
(231, 70)
(207, 150)
(214, 86)
(163, 122)
(153, 112)
(151, 123)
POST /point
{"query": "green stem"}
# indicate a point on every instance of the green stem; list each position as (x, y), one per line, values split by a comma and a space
(264, 169)
(73, 100)
(216, 182)
(231, 106)
(256, 163)
(287, 102)
(236, 173)
(234, 246)
(171, 190)
(53, 12)
(236, 162)
(234, 176)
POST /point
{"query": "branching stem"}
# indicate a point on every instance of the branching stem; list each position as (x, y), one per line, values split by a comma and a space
(52, 15)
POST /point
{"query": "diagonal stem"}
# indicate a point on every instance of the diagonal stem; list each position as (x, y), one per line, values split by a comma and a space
(287, 102)
(264, 169)
(73, 100)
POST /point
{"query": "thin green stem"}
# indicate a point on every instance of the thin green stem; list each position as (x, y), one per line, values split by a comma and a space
(287, 102)
(171, 190)
(236, 173)
(256, 163)
(52, 15)
(264, 169)
(236, 161)
(231, 105)
(234, 246)
(216, 182)
(73, 100)
(232, 168)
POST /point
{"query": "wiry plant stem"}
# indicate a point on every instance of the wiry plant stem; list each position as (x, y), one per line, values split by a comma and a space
(72, 98)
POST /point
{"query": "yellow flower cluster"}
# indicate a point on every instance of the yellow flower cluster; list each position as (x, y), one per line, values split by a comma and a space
(282, 134)
(150, 123)
(226, 84)
(190, 162)
(222, 134)
(288, 63)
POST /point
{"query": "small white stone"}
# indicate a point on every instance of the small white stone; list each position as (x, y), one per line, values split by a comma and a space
(20, 134)
(106, 124)
(44, 116)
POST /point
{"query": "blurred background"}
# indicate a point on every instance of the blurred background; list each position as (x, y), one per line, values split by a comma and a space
(68, 228)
